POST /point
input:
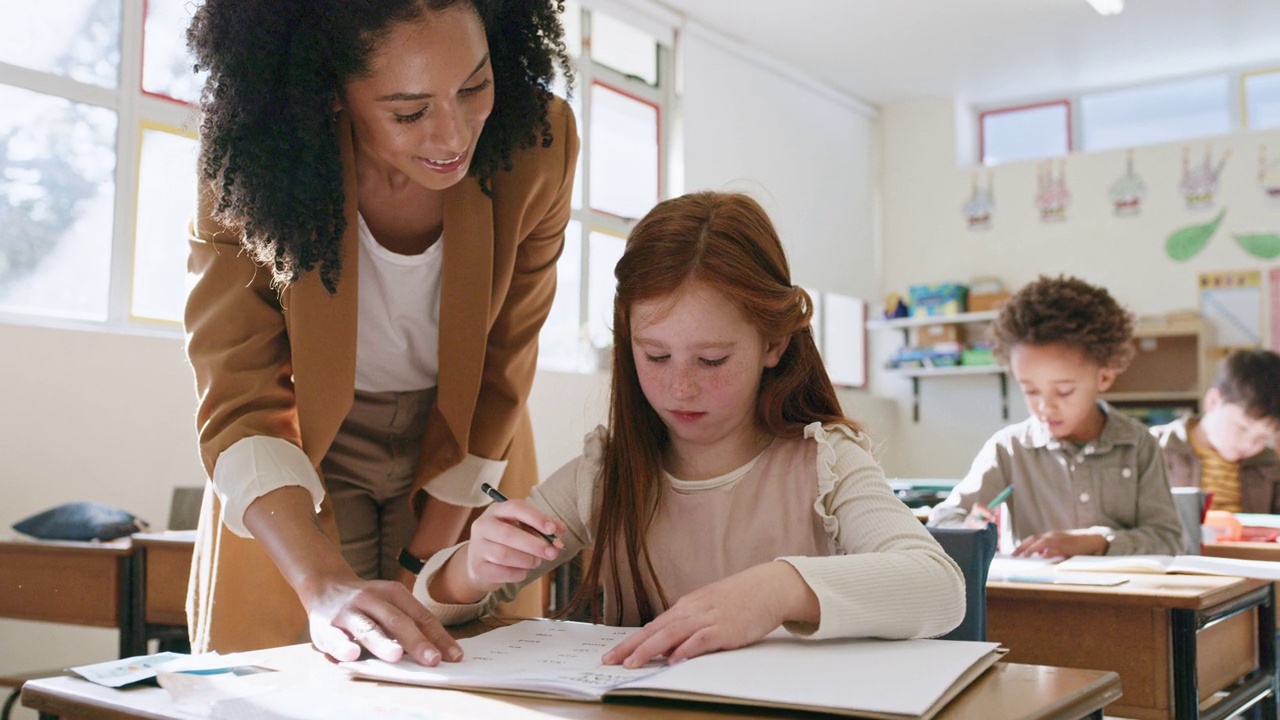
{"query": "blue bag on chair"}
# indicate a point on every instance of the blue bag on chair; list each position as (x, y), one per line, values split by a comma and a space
(972, 550)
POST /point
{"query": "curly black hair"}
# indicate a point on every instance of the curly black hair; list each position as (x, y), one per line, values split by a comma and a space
(1067, 311)
(269, 138)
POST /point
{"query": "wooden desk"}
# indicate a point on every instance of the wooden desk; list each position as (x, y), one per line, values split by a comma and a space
(137, 585)
(1004, 692)
(1175, 640)
(80, 583)
(1269, 551)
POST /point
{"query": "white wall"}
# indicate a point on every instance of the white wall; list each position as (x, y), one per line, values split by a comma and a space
(926, 241)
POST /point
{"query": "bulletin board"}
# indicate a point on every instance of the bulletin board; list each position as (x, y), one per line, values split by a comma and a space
(1231, 303)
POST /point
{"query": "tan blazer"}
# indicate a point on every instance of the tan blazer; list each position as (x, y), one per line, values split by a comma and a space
(283, 364)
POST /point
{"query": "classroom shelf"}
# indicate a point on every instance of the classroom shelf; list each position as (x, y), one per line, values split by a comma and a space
(907, 324)
(1171, 367)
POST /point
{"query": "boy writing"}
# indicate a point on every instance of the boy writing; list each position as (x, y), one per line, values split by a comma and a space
(1088, 480)
(1226, 450)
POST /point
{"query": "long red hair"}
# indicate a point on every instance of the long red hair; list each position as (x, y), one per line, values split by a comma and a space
(726, 241)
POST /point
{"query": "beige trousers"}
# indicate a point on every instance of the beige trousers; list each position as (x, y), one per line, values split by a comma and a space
(369, 473)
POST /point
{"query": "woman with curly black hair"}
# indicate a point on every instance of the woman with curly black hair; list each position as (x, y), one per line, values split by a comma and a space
(1086, 479)
(385, 186)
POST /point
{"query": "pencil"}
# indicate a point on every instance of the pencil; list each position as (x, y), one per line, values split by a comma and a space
(492, 492)
(999, 498)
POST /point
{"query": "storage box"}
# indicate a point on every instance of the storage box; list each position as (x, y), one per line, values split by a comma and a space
(987, 301)
(977, 356)
(934, 334)
(941, 299)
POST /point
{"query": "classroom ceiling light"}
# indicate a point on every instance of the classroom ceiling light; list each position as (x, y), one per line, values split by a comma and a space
(1107, 7)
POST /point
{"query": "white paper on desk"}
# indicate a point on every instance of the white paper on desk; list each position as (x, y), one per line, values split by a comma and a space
(118, 673)
(1004, 567)
(314, 703)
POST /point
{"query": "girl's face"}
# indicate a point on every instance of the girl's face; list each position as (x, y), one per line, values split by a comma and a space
(420, 110)
(699, 363)
(1061, 386)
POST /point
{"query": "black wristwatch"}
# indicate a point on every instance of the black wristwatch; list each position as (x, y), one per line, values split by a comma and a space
(410, 562)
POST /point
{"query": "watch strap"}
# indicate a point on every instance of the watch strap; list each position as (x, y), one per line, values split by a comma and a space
(411, 562)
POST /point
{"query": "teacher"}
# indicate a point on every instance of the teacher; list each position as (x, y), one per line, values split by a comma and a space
(385, 186)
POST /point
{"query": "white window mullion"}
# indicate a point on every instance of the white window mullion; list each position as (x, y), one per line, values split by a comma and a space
(127, 153)
(50, 84)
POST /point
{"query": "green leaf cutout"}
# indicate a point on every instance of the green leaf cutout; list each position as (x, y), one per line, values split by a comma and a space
(1263, 245)
(1183, 244)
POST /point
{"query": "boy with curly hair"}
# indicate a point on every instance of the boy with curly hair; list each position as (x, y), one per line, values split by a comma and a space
(1226, 450)
(1087, 479)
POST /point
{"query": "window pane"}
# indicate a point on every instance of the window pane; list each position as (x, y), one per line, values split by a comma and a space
(572, 22)
(1025, 133)
(845, 351)
(605, 251)
(166, 202)
(620, 46)
(1262, 100)
(624, 153)
(57, 195)
(560, 343)
(79, 39)
(1156, 113)
(166, 64)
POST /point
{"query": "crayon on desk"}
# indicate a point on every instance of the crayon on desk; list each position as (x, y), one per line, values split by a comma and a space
(492, 492)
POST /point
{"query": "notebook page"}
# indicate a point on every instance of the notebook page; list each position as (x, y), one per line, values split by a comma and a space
(891, 677)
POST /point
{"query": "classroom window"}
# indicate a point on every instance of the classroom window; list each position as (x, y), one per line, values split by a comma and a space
(1261, 100)
(57, 197)
(1025, 133)
(97, 174)
(164, 207)
(623, 89)
(1159, 113)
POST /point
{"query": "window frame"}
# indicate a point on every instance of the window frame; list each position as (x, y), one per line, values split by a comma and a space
(134, 109)
(1069, 105)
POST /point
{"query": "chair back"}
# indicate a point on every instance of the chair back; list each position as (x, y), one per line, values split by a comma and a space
(972, 550)
(1190, 502)
(184, 507)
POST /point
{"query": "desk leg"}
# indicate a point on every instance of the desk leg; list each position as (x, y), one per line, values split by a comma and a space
(133, 629)
(1270, 705)
(1186, 691)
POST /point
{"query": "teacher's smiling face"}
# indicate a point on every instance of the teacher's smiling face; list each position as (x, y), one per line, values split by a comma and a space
(421, 107)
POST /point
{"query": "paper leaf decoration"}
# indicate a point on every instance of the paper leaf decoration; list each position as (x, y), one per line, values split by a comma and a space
(1262, 245)
(1183, 244)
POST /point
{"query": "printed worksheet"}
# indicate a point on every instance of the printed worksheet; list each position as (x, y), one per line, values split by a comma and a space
(546, 656)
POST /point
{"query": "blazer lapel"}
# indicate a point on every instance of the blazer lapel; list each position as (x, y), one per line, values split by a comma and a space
(465, 292)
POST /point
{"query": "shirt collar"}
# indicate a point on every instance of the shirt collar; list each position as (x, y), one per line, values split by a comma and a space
(1115, 431)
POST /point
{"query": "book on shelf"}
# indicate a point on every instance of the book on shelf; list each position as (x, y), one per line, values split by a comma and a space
(1187, 564)
(889, 679)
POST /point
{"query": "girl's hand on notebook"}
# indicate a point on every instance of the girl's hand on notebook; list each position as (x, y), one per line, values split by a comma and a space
(505, 544)
(730, 613)
(1062, 543)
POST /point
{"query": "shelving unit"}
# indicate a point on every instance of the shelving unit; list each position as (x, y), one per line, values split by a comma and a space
(907, 324)
(1171, 368)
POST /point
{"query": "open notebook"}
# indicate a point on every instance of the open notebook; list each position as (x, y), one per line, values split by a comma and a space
(1190, 564)
(892, 679)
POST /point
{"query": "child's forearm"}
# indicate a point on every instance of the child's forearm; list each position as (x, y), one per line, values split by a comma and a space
(452, 584)
(797, 601)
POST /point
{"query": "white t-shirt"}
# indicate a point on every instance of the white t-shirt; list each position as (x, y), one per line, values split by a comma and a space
(398, 331)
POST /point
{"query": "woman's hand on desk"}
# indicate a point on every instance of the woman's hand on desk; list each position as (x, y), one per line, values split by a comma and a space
(730, 613)
(1062, 543)
(344, 612)
(381, 615)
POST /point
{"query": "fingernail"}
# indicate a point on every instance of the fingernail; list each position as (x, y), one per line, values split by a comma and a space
(551, 553)
(630, 663)
(455, 653)
(607, 659)
(430, 657)
(548, 527)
